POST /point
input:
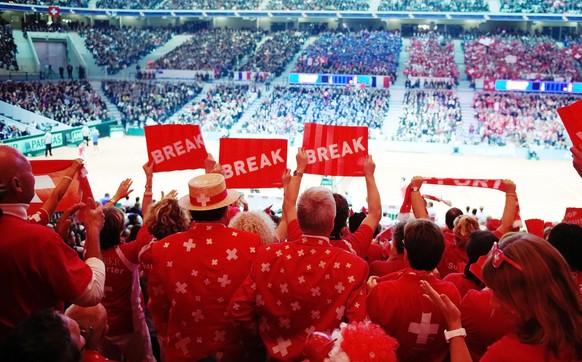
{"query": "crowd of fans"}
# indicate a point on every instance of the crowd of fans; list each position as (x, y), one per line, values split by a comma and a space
(211, 4)
(358, 53)
(522, 119)
(288, 109)
(70, 102)
(117, 48)
(222, 107)
(7, 47)
(508, 56)
(127, 4)
(431, 56)
(359, 5)
(146, 103)
(541, 6)
(217, 50)
(274, 54)
(71, 3)
(429, 116)
(8, 131)
(434, 5)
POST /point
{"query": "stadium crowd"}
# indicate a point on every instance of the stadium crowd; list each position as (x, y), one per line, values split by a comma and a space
(221, 108)
(431, 56)
(434, 5)
(522, 119)
(288, 108)
(429, 116)
(10, 131)
(211, 4)
(7, 47)
(274, 54)
(145, 102)
(358, 53)
(359, 5)
(217, 50)
(508, 56)
(541, 6)
(272, 286)
(117, 48)
(70, 102)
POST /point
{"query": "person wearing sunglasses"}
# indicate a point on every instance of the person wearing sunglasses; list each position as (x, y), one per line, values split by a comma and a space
(532, 284)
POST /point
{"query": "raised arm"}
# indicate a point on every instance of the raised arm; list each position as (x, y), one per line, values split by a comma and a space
(508, 216)
(418, 207)
(50, 205)
(374, 203)
(148, 168)
(292, 189)
(123, 190)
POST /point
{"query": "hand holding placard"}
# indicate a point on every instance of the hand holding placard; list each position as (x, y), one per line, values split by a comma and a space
(572, 118)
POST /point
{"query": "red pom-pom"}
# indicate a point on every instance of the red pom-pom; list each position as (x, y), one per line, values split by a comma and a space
(317, 346)
(364, 342)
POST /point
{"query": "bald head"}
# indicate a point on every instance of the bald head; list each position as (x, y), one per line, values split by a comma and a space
(16, 178)
(91, 320)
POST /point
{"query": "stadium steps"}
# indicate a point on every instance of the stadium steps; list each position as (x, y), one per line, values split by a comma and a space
(156, 54)
(397, 91)
(114, 113)
(284, 77)
(93, 70)
(25, 53)
(467, 113)
(459, 58)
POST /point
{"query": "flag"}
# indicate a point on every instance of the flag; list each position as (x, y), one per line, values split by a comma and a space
(573, 215)
(54, 11)
(335, 150)
(48, 174)
(175, 147)
(572, 118)
(253, 163)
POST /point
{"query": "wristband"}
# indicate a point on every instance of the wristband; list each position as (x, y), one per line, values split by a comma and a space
(297, 173)
(68, 178)
(414, 189)
(461, 332)
(510, 194)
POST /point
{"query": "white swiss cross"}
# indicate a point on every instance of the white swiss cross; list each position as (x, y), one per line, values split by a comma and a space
(208, 241)
(219, 336)
(181, 287)
(351, 279)
(301, 279)
(231, 254)
(260, 301)
(310, 330)
(252, 249)
(300, 252)
(322, 264)
(340, 312)
(194, 273)
(279, 253)
(169, 264)
(166, 245)
(203, 199)
(315, 314)
(265, 267)
(284, 323)
(234, 233)
(284, 288)
(159, 290)
(214, 261)
(42, 182)
(295, 306)
(315, 292)
(182, 343)
(424, 328)
(54, 12)
(282, 345)
(198, 315)
(336, 265)
(340, 287)
(224, 281)
(189, 245)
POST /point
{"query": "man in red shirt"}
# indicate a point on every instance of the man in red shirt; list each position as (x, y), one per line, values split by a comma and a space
(195, 273)
(305, 285)
(39, 270)
(399, 306)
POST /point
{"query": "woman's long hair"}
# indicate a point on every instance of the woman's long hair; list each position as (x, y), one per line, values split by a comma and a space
(165, 218)
(542, 296)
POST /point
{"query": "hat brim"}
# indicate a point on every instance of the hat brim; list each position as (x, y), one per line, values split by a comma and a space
(231, 197)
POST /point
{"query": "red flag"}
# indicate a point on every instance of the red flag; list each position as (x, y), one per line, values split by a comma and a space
(335, 150)
(54, 11)
(535, 227)
(253, 163)
(48, 174)
(175, 147)
(573, 215)
(572, 118)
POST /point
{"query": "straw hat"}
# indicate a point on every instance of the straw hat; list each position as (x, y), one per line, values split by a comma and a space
(208, 192)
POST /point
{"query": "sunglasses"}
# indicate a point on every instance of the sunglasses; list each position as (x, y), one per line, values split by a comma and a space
(498, 257)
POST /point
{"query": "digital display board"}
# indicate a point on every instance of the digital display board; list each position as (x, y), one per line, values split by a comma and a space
(329, 79)
(538, 86)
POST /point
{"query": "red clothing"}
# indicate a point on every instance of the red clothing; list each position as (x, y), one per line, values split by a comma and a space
(462, 283)
(94, 356)
(484, 326)
(449, 236)
(399, 307)
(510, 349)
(193, 277)
(393, 264)
(453, 260)
(38, 271)
(298, 287)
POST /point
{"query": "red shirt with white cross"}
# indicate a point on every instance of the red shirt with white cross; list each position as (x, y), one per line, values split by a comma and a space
(298, 287)
(193, 277)
(400, 308)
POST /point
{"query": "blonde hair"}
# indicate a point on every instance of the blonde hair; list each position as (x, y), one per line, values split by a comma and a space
(464, 225)
(543, 295)
(257, 222)
(165, 218)
(316, 211)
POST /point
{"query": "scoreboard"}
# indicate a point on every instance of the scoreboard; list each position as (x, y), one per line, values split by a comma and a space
(535, 86)
(329, 79)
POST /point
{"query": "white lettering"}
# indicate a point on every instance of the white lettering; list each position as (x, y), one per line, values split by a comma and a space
(462, 183)
(239, 167)
(252, 163)
(199, 141)
(179, 148)
(322, 154)
(276, 156)
(190, 145)
(311, 159)
(227, 171)
(480, 183)
(333, 151)
(176, 149)
(358, 145)
(168, 152)
(265, 161)
(157, 156)
(346, 149)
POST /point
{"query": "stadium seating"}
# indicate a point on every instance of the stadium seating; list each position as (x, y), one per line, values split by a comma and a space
(433, 5)
(7, 47)
(431, 56)
(359, 5)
